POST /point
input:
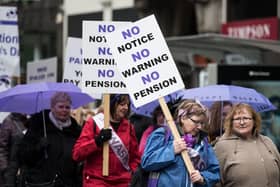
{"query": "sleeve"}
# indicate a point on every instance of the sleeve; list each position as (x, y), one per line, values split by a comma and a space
(5, 133)
(158, 153)
(11, 172)
(85, 144)
(274, 150)
(212, 173)
(272, 146)
(134, 154)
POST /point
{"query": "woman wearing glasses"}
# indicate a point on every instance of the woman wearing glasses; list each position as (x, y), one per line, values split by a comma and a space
(162, 152)
(246, 157)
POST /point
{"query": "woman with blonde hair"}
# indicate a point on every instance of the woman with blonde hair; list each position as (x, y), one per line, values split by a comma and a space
(46, 159)
(246, 157)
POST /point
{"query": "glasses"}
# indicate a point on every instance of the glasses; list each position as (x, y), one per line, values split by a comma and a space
(244, 119)
(196, 122)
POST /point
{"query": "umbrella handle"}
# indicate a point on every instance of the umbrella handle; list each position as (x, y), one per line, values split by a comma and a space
(46, 153)
(44, 125)
(45, 134)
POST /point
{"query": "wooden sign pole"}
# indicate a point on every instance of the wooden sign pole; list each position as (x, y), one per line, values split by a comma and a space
(105, 168)
(175, 132)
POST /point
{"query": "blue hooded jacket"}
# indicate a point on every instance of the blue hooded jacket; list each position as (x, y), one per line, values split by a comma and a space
(159, 156)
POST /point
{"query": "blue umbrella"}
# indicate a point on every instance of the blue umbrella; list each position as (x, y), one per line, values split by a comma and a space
(32, 98)
(236, 94)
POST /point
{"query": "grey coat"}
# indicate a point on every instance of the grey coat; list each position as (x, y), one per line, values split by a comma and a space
(248, 163)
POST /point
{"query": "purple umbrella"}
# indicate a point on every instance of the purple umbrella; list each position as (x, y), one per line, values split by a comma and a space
(32, 98)
(236, 94)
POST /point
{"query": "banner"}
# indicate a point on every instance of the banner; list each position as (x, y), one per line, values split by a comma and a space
(9, 42)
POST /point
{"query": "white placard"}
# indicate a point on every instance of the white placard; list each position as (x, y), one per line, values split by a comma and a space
(73, 61)
(99, 69)
(73, 64)
(9, 42)
(144, 61)
(44, 70)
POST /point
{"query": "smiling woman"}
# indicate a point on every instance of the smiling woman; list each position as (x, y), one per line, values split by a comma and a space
(243, 121)
(123, 155)
(242, 147)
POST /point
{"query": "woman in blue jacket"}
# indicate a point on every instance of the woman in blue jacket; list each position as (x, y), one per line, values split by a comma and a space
(162, 152)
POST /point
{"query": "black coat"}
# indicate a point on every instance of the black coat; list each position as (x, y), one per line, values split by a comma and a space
(43, 160)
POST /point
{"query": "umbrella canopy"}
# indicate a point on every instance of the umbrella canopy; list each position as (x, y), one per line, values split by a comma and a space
(32, 98)
(236, 94)
(147, 109)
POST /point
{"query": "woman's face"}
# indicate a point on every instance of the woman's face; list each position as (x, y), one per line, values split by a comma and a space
(243, 123)
(225, 111)
(192, 124)
(62, 110)
(121, 110)
(160, 119)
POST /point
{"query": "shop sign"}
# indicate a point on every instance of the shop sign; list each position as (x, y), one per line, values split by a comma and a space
(252, 29)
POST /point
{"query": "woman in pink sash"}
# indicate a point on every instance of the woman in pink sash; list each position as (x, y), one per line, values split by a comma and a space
(123, 147)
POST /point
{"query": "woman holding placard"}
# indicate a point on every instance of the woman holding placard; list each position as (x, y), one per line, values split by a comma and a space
(123, 153)
(162, 153)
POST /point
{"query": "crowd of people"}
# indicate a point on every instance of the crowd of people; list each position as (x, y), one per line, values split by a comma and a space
(224, 144)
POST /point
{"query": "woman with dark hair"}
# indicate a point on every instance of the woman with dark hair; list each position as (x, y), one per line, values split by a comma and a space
(218, 112)
(123, 153)
(158, 121)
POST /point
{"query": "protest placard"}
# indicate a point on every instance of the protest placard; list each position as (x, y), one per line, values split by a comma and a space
(44, 70)
(99, 66)
(73, 62)
(144, 61)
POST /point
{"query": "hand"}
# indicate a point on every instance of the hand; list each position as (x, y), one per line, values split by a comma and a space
(196, 177)
(179, 145)
(104, 135)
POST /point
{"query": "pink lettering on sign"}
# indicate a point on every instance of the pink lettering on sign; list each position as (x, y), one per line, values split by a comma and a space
(252, 29)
